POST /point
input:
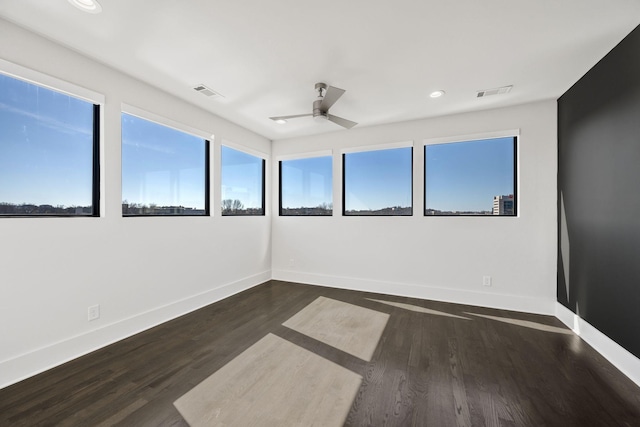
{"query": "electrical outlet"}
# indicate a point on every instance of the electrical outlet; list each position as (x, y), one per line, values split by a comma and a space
(486, 280)
(93, 312)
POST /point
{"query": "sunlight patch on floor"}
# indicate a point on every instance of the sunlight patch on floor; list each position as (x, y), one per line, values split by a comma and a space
(418, 309)
(353, 329)
(272, 383)
(526, 324)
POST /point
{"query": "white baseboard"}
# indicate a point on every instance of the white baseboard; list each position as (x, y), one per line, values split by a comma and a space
(568, 317)
(34, 362)
(482, 299)
(619, 357)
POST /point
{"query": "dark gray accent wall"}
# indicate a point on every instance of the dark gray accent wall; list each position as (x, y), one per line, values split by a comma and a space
(599, 195)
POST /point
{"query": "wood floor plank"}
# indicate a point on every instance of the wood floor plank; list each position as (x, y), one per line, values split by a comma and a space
(436, 364)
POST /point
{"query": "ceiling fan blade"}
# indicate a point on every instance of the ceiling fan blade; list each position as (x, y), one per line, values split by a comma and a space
(290, 117)
(340, 121)
(330, 98)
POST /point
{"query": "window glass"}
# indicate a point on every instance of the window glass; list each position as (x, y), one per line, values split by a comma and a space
(164, 170)
(47, 149)
(378, 182)
(471, 178)
(306, 186)
(242, 183)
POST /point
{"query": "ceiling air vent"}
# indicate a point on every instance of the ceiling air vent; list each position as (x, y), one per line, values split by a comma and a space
(205, 90)
(497, 91)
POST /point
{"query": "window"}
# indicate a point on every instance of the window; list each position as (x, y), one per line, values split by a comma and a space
(164, 171)
(242, 183)
(471, 178)
(378, 182)
(49, 152)
(306, 186)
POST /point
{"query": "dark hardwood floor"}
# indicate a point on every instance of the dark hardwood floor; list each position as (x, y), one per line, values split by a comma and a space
(483, 368)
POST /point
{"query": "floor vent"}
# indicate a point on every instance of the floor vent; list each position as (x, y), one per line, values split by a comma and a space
(497, 91)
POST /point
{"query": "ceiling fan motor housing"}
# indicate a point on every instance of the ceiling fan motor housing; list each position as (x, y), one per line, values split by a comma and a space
(317, 111)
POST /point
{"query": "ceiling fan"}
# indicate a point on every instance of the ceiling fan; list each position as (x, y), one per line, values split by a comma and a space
(327, 96)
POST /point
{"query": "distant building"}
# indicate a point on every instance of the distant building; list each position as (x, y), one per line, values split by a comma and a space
(503, 205)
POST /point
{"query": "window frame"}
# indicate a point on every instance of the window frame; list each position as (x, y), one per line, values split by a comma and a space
(97, 100)
(176, 126)
(514, 134)
(380, 147)
(317, 154)
(261, 156)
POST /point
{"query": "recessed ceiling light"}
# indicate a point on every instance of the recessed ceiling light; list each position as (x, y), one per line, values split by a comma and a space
(436, 94)
(90, 6)
(281, 121)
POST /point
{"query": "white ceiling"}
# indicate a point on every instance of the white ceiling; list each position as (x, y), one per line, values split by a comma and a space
(264, 56)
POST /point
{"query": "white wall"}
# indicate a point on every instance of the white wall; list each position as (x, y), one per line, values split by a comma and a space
(442, 258)
(142, 271)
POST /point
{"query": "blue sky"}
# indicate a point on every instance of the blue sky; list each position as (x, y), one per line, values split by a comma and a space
(307, 182)
(241, 177)
(46, 158)
(161, 165)
(464, 176)
(46, 146)
(378, 179)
